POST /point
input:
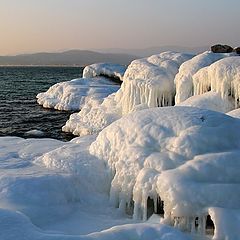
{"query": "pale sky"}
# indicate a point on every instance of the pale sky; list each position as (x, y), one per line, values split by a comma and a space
(53, 25)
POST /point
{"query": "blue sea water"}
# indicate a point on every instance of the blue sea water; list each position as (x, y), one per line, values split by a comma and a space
(19, 111)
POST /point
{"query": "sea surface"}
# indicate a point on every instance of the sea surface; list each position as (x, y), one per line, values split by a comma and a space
(19, 111)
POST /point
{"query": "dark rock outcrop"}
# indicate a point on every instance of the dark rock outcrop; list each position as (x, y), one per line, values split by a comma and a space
(237, 50)
(219, 48)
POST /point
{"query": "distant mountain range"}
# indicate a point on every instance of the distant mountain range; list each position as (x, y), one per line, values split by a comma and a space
(154, 50)
(85, 57)
(72, 57)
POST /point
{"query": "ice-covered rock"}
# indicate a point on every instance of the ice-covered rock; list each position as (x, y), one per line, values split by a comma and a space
(209, 100)
(150, 81)
(184, 78)
(115, 71)
(181, 160)
(72, 95)
(222, 77)
(147, 82)
(205, 181)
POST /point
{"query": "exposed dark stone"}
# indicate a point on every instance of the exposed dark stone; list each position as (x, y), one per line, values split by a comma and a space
(237, 50)
(219, 48)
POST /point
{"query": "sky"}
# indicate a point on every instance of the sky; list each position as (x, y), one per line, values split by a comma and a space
(55, 25)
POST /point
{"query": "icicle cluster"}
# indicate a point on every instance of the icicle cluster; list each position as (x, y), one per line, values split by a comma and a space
(222, 77)
(184, 78)
(150, 81)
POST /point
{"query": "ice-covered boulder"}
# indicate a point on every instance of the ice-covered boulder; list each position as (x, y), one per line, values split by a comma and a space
(115, 71)
(209, 100)
(184, 78)
(181, 160)
(147, 82)
(150, 81)
(222, 77)
(72, 95)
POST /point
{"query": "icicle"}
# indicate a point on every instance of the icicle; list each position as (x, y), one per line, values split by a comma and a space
(155, 200)
(193, 230)
(144, 206)
(114, 197)
(204, 219)
(136, 213)
(122, 205)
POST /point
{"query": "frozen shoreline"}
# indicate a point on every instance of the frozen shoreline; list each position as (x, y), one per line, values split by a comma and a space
(137, 156)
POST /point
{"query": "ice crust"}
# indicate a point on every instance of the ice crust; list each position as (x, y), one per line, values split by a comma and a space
(104, 69)
(72, 95)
